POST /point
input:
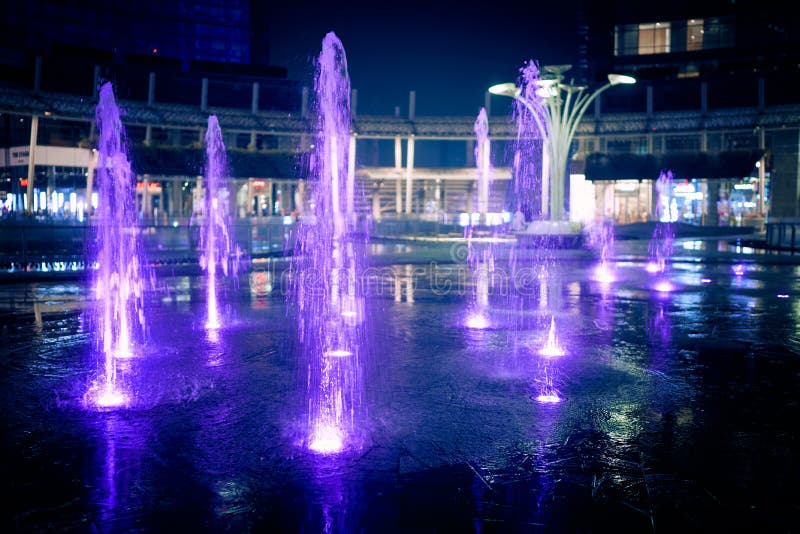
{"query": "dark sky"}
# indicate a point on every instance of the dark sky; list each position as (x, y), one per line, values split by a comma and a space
(448, 54)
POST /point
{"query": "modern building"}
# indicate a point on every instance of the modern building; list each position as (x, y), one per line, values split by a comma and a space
(716, 104)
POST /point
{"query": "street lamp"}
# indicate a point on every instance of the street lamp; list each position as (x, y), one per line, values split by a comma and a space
(565, 104)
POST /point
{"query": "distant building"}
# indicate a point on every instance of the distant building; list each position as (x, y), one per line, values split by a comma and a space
(729, 59)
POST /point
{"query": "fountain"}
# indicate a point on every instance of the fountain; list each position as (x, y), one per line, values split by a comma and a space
(483, 162)
(329, 263)
(603, 273)
(219, 249)
(481, 261)
(528, 162)
(552, 346)
(119, 313)
(660, 247)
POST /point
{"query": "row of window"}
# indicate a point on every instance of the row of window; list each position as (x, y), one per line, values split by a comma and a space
(674, 36)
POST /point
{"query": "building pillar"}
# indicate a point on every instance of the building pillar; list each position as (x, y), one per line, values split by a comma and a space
(703, 97)
(398, 164)
(151, 89)
(785, 180)
(204, 95)
(351, 175)
(409, 175)
(437, 194)
(299, 199)
(176, 200)
(96, 81)
(376, 203)
(254, 99)
(712, 194)
(545, 180)
(37, 74)
(93, 154)
(145, 196)
(762, 163)
(32, 159)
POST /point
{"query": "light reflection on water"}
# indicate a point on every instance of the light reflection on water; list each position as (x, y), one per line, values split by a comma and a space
(646, 377)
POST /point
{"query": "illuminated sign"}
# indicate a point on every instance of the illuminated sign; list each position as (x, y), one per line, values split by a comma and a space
(152, 187)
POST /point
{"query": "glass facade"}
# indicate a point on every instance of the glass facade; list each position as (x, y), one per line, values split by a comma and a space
(667, 37)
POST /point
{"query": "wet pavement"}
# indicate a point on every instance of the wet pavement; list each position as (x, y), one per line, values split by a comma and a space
(678, 409)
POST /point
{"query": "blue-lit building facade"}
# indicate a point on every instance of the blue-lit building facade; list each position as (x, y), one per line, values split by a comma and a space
(716, 104)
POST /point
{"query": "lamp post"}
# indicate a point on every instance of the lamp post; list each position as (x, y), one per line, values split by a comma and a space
(565, 104)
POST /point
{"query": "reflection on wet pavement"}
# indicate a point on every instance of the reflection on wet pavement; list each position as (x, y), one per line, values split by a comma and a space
(678, 411)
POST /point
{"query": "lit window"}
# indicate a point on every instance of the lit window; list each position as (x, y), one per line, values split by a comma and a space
(694, 34)
(654, 38)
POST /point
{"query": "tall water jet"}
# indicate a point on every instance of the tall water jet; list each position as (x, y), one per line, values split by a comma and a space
(328, 266)
(481, 262)
(529, 161)
(603, 273)
(483, 162)
(660, 246)
(552, 347)
(219, 249)
(119, 311)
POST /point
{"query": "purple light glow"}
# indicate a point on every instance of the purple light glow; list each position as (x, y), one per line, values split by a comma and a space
(477, 321)
(326, 440)
(738, 269)
(119, 312)
(340, 353)
(551, 347)
(603, 274)
(548, 398)
(654, 267)
(109, 398)
(664, 286)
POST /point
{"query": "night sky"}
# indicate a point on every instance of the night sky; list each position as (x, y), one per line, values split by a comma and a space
(448, 54)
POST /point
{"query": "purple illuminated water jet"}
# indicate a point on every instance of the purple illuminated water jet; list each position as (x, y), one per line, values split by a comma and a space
(660, 247)
(219, 249)
(481, 261)
(331, 310)
(552, 347)
(530, 113)
(548, 394)
(483, 162)
(119, 312)
(603, 272)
